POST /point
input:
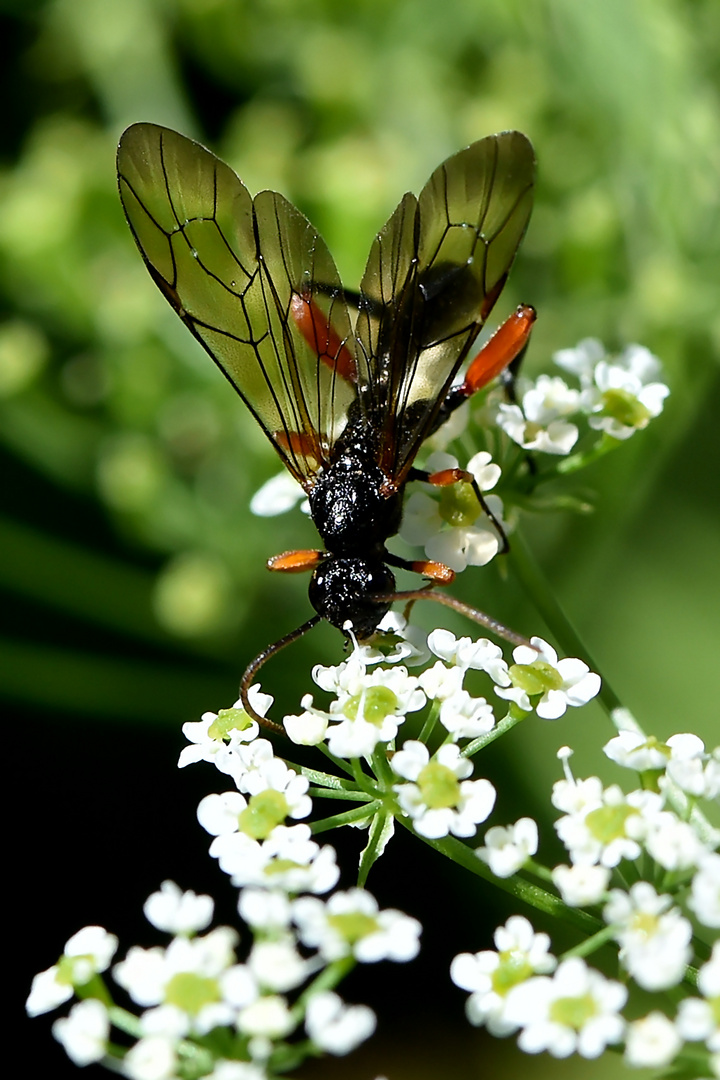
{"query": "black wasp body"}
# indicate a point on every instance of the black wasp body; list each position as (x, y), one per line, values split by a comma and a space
(346, 394)
(354, 517)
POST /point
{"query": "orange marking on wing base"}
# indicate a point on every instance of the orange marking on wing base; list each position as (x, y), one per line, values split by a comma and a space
(295, 562)
(500, 350)
(322, 338)
(436, 571)
(299, 444)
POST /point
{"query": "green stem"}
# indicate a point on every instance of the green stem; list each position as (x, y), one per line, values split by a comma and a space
(500, 728)
(347, 794)
(588, 457)
(538, 870)
(530, 894)
(378, 837)
(428, 726)
(358, 814)
(326, 780)
(326, 980)
(591, 944)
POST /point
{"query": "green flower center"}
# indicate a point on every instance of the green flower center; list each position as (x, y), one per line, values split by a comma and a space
(282, 866)
(625, 408)
(531, 430)
(67, 966)
(264, 811)
(608, 822)
(353, 925)
(191, 992)
(459, 506)
(228, 720)
(377, 703)
(535, 678)
(573, 1012)
(512, 969)
(714, 1004)
(645, 923)
(439, 786)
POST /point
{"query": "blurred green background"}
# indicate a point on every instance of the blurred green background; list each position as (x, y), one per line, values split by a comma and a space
(133, 589)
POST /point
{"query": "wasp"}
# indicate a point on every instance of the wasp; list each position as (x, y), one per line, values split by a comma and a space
(345, 386)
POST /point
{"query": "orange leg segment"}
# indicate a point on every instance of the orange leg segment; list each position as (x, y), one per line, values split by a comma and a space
(502, 348)
(295, 562)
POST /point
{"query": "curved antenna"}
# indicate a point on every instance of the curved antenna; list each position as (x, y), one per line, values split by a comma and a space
(255, 665)
(475, 614)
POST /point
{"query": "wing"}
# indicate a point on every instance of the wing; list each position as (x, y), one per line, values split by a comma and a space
(244, 275)
(434, 272)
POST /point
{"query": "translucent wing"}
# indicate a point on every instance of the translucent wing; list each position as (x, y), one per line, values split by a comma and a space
(434, 272)
(242, 273)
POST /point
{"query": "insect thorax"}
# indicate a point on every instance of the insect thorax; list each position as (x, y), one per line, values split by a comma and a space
(352, 514)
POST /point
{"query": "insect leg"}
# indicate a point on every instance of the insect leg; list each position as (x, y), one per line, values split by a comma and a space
(495, 627)
(445, 477)
(437, 572)
(252, 669)
(295, 562)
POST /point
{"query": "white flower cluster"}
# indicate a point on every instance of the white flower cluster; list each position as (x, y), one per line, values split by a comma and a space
(232, 1019)
(434, 787)
(564, 1006)
(619, 395)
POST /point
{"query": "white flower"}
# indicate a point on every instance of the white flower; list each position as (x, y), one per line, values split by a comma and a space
(619, 394)
(438, 799)
(289, 859)
(86, 953)
(336, 1027)
(151, 1058)
(480, 655)
(491, 976)
(351, 924)
(369, 705)
(635, 751)
(395, 639)
(268, 1016)
(448, 528)
(538, 675)
(581, 885)
(309, 727)
(651, 1042)
(705, 892)
(264, 909)
(674, 844)
(441, 682)
(538, 423)
(211, 736)
(185, 981)
(696, 772)
(699, 1018)
(604, 825)
(508, 848)
(277, 495)
(277, 965)
(575, 1011)
(178, 912)
(466, 717)
(237, 1070)
(85, 1032)
(581, 360)
(654, 937)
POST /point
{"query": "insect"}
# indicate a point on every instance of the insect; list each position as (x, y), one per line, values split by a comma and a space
(345, 387)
